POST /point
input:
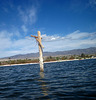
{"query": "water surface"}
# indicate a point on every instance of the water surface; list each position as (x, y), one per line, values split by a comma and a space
(70, 80)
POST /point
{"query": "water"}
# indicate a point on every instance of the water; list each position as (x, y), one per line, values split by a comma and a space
(71, 80)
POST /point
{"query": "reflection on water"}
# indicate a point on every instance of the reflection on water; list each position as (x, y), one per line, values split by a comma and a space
(42, 75)
(43, 85)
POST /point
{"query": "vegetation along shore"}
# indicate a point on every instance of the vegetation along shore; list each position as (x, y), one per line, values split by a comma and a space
(46, 59)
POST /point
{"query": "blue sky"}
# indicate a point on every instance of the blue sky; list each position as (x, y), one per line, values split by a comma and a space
(64, 25)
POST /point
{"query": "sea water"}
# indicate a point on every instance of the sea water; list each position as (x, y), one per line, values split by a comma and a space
(71, 80)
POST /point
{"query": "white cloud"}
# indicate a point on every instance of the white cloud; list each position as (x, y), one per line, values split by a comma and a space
(77, 35)
(75, 40)
(49, 38)
(24, 28)
(10, 46)
(28, 15)
(4, 39)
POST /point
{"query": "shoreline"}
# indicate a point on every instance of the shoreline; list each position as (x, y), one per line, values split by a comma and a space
(44, 62)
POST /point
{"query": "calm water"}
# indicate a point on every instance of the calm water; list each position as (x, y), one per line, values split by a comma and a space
(71, 80)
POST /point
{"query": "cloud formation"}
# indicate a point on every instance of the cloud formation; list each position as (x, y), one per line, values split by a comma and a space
(75, 40)
(10, 46)
(28, 15)
(77, 35)
(24, 28)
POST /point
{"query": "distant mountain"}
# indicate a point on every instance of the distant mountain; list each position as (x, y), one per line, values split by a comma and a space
(91, 50)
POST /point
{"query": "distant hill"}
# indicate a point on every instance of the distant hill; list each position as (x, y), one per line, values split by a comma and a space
(91, 50)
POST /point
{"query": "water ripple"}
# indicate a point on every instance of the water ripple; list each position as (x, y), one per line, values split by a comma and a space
(63, 80)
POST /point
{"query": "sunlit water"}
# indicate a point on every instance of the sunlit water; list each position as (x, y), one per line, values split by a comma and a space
(71, 80)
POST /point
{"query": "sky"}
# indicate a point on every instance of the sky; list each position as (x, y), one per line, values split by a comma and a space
(64, 25)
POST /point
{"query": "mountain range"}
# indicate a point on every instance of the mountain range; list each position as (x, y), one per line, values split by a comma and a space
(91, 50)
